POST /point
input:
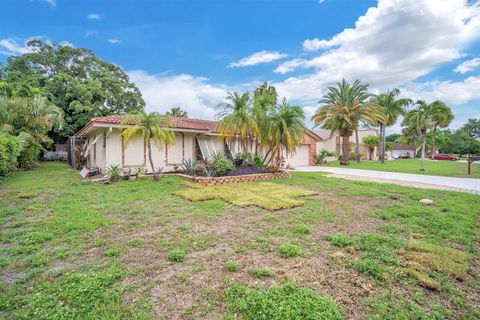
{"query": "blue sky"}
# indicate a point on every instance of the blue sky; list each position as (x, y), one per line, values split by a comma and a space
(189, 53)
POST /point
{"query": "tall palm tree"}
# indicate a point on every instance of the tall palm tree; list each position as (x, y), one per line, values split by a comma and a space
(343, 107)
(420, 120)
(177, 112)
(264, 99)
(148, 126)
(392, 108)
(237, 119)
(441, 116)
(285, 131)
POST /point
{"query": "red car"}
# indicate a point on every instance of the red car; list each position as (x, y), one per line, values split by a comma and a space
(444, 156)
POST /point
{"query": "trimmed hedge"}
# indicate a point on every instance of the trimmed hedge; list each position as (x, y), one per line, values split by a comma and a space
(9, 152)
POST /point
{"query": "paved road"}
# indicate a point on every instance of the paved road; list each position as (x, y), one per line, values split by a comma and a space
(459, 184)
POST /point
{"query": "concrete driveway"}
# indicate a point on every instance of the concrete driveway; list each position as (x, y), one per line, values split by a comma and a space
(414, 180)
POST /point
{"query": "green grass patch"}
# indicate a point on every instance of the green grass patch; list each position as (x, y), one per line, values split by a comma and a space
(177, 256)
(231, 266)
(264, 195)
(289, 250)
(286, 302)
(262, 273)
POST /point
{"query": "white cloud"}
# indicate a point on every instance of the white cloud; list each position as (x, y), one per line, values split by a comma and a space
(193, 94)
(53, 3)
(468, 65)
(393, 43)
(94, 16)
(114, 41)
(91, 33)
(10, 46)
(258, 57)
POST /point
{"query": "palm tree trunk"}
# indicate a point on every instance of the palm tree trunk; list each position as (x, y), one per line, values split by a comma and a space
(345, 150)
(370, 153)
(422, 160)
(357, 146)
(382, 148)
(414, 142)
(434, 132)
(149, 145)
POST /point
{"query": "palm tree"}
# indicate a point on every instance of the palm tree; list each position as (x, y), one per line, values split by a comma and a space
(177, 112)
(148, 126)
(285, 131)
(392, 108)
(441, 116)
(420, 120)
(264, 99)
(343, 107)
(237, 119)
(371, 142)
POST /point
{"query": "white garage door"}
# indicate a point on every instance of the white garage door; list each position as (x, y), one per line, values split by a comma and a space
(300, 158)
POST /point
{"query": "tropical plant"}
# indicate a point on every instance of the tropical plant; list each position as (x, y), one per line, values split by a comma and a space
(371, 142)
(221, 165)
(188, 166)
(114, 173)
(419, 120)
(244, 158)
(148, 126)
(321, 155)
(341, 110)
(472, 127)
(30, 120)
(441, 116)
(237, 119)
(139, 171)
(264, 99)
(285, 131)
(392, 107)
(258, 162)
(177, 112)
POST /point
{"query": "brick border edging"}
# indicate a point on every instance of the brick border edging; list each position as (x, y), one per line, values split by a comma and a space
(210, 181)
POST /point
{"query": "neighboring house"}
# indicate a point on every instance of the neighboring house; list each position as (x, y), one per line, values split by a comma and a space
(334, 143)
(399, 149)
(195, 139)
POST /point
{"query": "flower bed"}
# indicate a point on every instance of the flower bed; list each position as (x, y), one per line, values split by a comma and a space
(233, 178)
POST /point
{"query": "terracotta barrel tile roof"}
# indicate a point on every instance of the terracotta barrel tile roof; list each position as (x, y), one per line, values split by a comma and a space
(177, 122)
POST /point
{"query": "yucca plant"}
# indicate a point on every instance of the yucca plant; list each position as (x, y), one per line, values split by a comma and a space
(188, 166)
(114, 173)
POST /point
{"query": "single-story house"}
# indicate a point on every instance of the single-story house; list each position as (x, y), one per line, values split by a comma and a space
(399, 149)
(334, 143)
(196, 139)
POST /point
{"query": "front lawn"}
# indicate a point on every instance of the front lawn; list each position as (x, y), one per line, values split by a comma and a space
(75, 249)
(435, 168)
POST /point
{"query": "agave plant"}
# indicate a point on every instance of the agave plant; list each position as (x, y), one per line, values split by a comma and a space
(188, 166)
(114, 173)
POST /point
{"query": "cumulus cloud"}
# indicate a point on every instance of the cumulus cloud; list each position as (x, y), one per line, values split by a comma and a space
(257, 58)
(10, 47)
(468, 65)
(94, 16)
(114, 41)
(53, 3)
(393, 43)
(193, 94)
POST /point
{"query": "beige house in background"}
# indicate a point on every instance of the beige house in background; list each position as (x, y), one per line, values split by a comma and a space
(196, 139)
(334, 143)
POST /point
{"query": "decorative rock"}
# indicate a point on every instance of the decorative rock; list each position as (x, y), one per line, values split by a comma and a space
(426, 202)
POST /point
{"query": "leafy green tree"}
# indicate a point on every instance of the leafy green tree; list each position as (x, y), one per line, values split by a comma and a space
(392, 107)
(30, 120)
(75, 80)
(285, 131)
(441, 116)
(341, 110)
(148, 126)
(177, 112)
(392, 137)
(419, 120)
(237, 119)
(472, 127)
(371, 142)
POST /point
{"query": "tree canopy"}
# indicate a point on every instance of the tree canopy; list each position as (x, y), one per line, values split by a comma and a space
(74, 79)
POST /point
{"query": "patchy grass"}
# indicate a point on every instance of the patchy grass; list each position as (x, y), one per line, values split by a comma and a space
(286, 302)
(83, 250)
(264, 195)
(434, 168)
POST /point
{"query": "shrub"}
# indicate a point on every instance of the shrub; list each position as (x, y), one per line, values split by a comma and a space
(231, 266)
(244, 158)
(9, 152)
(188, 166)
(288, 250)
(177, 256)
(286, 302)
(321, 155)
(262, 273)
(258, 161)
(221, 165)
(114, 173)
